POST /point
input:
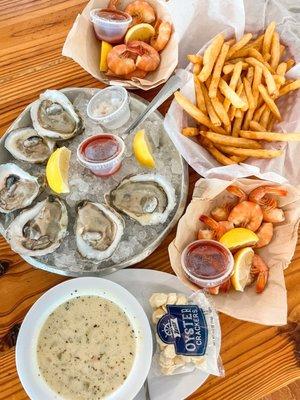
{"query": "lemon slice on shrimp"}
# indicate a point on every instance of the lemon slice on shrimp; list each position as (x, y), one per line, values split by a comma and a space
(238, 237)
(242, 266)
(143, 32)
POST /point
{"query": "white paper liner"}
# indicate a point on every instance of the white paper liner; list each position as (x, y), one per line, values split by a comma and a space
(269, 307)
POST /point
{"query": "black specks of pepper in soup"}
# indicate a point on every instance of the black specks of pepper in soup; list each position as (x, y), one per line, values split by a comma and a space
(85, 338)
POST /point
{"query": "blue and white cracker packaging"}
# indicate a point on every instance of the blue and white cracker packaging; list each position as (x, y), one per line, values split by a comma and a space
(187, 333)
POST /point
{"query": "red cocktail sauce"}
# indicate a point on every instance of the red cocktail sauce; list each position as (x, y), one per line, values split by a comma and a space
(100, 148)
(207, 263)
(112, 15)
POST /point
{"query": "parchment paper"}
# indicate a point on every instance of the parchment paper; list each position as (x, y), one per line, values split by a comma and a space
(229, 17)
(269, 307)
(83, 47)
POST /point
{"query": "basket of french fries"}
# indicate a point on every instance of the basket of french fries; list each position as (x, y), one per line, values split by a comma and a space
(237, 105)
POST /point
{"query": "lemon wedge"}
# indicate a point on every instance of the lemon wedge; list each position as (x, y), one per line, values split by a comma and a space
(142, 149)
(57, 170)
(105, 49)
(242, 265)
(143, 32)
(238, 237)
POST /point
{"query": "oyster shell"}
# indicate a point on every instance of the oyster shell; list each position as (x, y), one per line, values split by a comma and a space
(147, 198)
(26, 145)
(40, 229)
(54, 116)
(18, 189)
(98, 230)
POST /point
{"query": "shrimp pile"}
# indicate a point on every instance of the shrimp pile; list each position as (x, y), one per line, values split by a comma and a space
(137, 58)
(257, 211)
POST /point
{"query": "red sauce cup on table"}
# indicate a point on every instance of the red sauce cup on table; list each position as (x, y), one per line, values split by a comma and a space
(102, 154)
(207, 263)
(110, 25)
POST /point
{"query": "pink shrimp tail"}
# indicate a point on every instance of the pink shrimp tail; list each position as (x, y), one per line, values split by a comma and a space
(209, 222)
(237, 192)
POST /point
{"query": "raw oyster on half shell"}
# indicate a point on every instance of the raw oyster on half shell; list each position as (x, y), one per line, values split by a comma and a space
(26, 145)
(18, 189)
(147, 198)
(54, 116)
(98, 230)
(40, 229)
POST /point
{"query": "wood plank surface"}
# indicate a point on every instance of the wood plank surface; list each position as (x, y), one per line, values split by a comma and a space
(258, 360)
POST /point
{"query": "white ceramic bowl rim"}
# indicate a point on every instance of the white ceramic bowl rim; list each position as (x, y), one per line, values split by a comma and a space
(26, 360)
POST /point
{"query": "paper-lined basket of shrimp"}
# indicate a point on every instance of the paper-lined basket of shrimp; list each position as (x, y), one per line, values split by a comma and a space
(238, 114)
(257, 221)
(131, 43)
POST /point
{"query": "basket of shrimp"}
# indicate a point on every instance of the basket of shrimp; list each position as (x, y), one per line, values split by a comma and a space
(234, 241)
(129, 42)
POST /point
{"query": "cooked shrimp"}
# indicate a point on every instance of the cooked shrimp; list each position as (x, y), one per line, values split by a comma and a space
(260, 195)
(163, 31)
(121, 61)
(221, 213)
(247, 215)
(273, 215)
(260, 271)
(141, 11)
(237, 191)
(218, 228)
(222, 288)
(265, 234)
(148, 58)
(206, 234)
(113, 4)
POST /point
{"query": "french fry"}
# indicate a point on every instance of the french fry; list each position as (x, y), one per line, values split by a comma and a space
(289, 87)
(282, 68)
(218, 156)
(249, 94)
(248, 118)
(282, 50)
(238, 45)
(232, 110)
(256, 126)
(237, 69)
(256, 54)
(231, 141)
(217, 71)
(237, 124)
(275, 51)
(195, 113)
(199, 95)
(196, 69)
(244, 98)
(264, 120)
(195, 59)
(190, 131)
(272, 88)
(221, 112)
(250, 75)
(271, 136)
(256, 43)
(256, 153)
(231, 95)
(228, 68)
(256, 81)
(279, 80)
(210, 56)
(258, 113)
(290, 63)
(209, 107)
(271, 123)
(238, 159)
(238, 113)
(230, 42)
(266, 47)
(269, 101)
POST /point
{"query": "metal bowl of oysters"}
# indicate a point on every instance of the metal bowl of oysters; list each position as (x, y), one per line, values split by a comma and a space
(101, 225)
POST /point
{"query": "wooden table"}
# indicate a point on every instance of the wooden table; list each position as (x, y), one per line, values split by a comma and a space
(258, 359)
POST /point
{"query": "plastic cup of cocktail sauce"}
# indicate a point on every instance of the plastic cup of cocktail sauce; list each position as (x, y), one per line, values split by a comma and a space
(102, 154)
(207, 263)
(110, 25)
(110, 107)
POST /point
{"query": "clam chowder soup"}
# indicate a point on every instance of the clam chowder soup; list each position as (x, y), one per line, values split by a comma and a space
(86, 348)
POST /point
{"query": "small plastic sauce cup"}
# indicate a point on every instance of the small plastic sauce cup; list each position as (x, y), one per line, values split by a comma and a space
(110, 25)
(102, 154)
(110, 107)
(207, 263)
